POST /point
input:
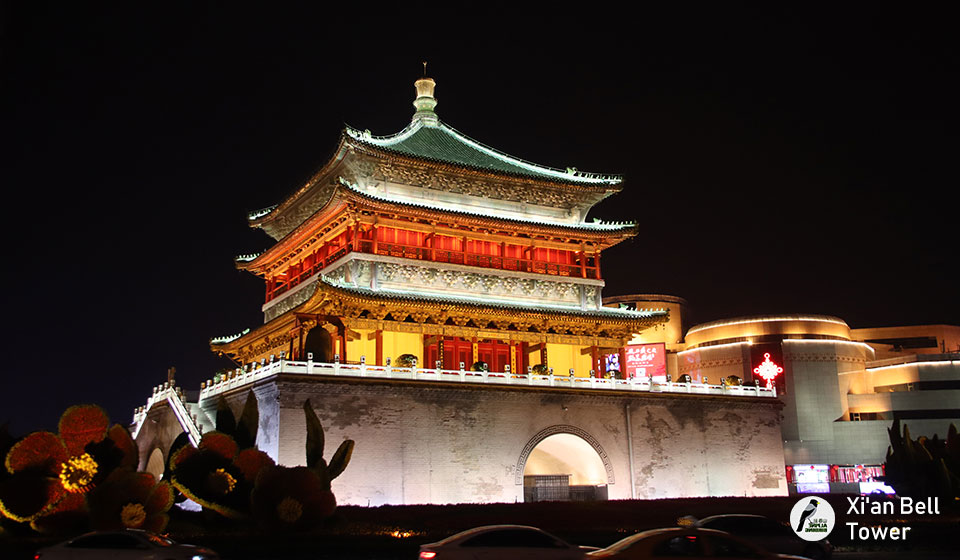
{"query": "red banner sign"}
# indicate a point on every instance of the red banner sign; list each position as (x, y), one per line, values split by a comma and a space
(646, 360)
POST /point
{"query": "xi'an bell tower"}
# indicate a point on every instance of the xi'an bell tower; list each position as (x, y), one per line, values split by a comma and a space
(439, 302)
(427, 242)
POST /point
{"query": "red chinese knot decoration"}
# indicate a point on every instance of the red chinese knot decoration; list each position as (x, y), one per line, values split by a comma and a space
(768, 370)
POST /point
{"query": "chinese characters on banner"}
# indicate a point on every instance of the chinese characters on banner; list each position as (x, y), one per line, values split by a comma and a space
(647, 360)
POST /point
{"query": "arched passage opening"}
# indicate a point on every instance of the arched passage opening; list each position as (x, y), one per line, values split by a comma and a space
(155, 464)
(565, 466)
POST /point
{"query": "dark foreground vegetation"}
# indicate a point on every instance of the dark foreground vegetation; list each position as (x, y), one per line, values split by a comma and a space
(398, 531)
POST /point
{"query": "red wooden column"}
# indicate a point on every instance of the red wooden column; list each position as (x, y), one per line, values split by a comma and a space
(379, 344)
(440, 357)
(596, 261)
(297, 352)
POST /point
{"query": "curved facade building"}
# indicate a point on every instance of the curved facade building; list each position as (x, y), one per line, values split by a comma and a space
(841, 387)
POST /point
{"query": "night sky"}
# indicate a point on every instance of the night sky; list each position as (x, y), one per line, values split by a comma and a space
(777, 160)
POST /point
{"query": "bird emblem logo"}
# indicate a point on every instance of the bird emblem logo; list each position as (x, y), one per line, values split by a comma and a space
(812, 519)
(809, 510)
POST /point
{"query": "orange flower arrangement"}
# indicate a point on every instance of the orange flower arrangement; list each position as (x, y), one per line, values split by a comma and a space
(220, 472)
(291, 498)
(299, 498)
(51, 473)
(130, 500)
(217, 474)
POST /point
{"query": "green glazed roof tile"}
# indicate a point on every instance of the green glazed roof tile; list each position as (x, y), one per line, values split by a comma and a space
(444, 144)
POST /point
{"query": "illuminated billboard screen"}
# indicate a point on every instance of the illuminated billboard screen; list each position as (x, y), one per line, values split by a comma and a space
(646, 360)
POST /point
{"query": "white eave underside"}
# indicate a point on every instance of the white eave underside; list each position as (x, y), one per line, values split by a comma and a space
(498, 214)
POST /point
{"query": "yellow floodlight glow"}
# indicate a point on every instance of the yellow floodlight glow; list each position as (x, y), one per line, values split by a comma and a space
(770, 319)
(711, 347)
(830, 341)
(910, 364)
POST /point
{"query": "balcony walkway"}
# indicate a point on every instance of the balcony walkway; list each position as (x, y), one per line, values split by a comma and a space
(239, 379)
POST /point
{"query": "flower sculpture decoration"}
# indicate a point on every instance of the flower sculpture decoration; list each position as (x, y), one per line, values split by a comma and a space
(298, 498)
(51, 474)
(129, 500)
(219, 474)
(291, 499)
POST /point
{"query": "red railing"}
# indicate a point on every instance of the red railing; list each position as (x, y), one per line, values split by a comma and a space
(481, 260)
(434, 255)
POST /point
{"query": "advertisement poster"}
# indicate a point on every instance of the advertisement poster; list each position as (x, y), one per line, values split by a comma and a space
(647, 360)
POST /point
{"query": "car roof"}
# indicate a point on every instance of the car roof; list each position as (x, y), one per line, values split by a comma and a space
(485, 529)
(127, 531)
(733, 516)
(666, 530)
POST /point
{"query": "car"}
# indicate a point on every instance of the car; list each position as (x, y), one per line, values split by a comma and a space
(129, 544)
(767, 533)
(690, 542)
(503, 542)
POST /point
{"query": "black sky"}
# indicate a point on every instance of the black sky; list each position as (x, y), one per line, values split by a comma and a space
(778, 159)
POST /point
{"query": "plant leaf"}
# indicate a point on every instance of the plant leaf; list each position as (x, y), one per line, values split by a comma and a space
(314, 436)
(226, 422)
(246, 434)
(340, 459)
(183, 440)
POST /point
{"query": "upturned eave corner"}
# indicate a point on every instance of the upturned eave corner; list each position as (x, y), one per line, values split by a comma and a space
(262, 218)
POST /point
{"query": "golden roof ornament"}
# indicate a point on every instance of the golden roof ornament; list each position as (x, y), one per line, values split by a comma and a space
(425, 101)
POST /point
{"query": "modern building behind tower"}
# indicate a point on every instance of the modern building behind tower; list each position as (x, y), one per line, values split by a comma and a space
(841, 387)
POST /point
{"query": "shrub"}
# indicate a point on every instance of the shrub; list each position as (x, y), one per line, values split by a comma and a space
(406, 361)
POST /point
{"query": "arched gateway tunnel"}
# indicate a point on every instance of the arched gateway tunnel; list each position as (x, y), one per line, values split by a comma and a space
(429, 441)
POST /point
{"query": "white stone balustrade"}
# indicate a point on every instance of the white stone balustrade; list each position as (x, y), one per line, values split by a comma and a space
(241, 378)
(175, 399)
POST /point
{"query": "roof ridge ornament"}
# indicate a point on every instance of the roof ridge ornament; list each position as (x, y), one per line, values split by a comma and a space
(425, 101)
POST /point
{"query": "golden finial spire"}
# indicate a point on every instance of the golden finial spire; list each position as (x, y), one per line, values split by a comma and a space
(425, 101)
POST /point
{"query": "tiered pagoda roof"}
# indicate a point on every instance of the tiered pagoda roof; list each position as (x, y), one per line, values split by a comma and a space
(431, 178)
(344, 194)
(488, 303)
(440, 313)
(430, 157)
(442, 143)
